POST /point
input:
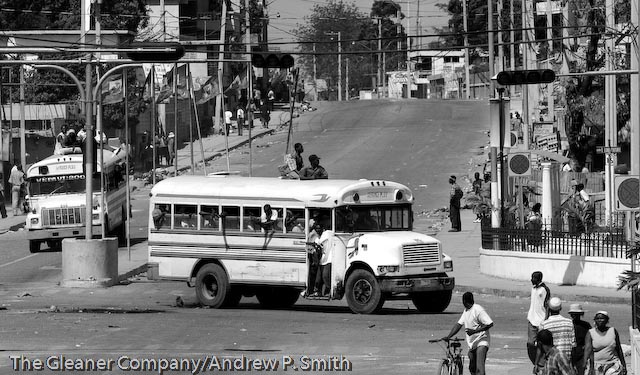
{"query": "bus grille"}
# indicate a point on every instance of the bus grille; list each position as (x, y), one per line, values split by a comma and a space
(421, 253)
(53, 217)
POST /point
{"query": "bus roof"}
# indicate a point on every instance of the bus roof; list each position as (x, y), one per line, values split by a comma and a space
(317, 193)
(110, 154)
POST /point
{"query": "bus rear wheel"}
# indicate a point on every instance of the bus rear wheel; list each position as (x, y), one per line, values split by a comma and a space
(277, 297)
(363, 292)
(432, 302)
(34, 246)
(212, 286)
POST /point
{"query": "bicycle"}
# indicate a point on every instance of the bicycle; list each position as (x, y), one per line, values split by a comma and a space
(453, 363)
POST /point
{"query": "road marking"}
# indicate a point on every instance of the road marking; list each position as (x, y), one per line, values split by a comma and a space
(17, 260)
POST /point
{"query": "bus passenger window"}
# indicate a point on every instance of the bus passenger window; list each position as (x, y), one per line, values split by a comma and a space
(294, 220)
(161, 215)
(251, 219)
(209, 218)
(231, 217)
(185, 217)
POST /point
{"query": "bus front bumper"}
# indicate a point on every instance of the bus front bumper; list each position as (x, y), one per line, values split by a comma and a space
(60, 233)
(416, 284)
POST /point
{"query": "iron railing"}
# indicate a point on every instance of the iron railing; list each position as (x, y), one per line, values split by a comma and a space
(611, 244)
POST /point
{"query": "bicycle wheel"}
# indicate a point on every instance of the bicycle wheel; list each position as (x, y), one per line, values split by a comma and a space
(444, 368)
(457, 366)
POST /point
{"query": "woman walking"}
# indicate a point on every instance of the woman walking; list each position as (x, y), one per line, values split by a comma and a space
(602, 348)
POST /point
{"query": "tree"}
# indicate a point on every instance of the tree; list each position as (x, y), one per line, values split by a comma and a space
(358, 36)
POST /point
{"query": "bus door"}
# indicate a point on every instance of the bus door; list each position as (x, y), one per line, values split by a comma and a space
(338, 266)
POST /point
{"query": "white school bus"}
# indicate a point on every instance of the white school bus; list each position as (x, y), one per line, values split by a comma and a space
(202, 230)
(57, 198)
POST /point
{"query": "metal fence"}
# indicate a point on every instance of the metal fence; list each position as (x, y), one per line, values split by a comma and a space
(598, 244)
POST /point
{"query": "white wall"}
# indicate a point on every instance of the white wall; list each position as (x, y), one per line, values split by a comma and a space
(557, 269)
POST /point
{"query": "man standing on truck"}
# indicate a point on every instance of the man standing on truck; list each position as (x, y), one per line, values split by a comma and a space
(476, 322)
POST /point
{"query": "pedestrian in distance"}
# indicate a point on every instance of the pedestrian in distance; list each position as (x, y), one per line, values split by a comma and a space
(534, 226)
(171, 147)
(602, 348)
(240, 118)
(16, 179)
(476, 323)
(561, 328)
(540, 295)
(455, 194)
(477, 190)
(228, 115)
(314, 171)
(580, 328)
(555, 361)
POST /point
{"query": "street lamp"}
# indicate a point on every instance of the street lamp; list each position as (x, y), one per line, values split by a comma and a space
(339, 34)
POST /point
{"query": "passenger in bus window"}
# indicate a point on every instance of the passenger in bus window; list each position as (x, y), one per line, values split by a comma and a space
(268, 218)
(210, 217)
(294, 221)
(159, 215)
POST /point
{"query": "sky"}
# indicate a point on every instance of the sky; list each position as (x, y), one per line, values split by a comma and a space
(292, 12)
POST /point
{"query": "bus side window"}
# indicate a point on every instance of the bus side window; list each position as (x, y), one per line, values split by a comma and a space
(161, 215)
(231, 217)
(320, 215)
(251, 219)
(185, 217)
(294, 220)
(209, 218)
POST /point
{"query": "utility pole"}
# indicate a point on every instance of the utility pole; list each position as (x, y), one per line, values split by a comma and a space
(610, 131)
(500, 49)
(346, 91)
(339, 34)
(379, 77)
(512, 38)
(491, 51)
(249, 113)
(467, 81)
(23, 140)
(315, 73)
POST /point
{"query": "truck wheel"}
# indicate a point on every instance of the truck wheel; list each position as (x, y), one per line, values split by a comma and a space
(212, 285)
(277, 298)
(363, 292)
(432, 302)
(34, 246)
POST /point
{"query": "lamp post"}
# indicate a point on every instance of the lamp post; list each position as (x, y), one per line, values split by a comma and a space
(339, 34)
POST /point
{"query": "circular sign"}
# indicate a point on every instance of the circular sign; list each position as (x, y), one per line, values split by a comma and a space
(628, 193)
(519, 164)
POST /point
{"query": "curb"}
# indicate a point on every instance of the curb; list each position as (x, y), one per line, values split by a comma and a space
(563, 296)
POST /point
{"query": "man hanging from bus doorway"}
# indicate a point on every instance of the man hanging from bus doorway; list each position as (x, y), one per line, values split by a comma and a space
(327, 243)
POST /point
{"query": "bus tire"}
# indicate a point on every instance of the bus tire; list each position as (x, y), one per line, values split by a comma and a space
(363, 292)
(432, 302)
(276, 298)
(34, 246)
(212, 285)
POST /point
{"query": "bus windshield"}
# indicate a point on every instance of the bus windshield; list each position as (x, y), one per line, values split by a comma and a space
(378, 218)
(69, 184)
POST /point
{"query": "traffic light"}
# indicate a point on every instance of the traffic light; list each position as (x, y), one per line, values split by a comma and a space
(272, 60)
(155, 51)
(525, 77)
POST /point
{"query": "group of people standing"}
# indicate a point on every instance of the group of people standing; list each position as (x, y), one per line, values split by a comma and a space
(559, 345)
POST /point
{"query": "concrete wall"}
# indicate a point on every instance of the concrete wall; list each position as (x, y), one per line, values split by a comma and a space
(557, 268)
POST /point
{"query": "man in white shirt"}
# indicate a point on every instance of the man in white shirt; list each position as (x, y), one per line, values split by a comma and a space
(476, 322)
(540, 295)
(268, 218)
(327, 243)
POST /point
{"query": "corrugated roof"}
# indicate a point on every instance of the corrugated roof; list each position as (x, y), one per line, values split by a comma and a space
(34, 111)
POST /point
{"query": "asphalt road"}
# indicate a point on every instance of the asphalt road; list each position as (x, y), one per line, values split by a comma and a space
(141, 320)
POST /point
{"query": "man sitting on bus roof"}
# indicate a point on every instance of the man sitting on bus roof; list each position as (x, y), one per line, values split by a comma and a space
(314, 171)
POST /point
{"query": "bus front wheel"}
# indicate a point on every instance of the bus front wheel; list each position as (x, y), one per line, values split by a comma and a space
(363, 292)
(212, 285)
(432, 302)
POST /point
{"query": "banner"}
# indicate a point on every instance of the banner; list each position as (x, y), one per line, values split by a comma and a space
(207, 92)
(112, 91)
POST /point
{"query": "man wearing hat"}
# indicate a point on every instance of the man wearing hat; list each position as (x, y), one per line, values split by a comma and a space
(561, 329)
(171, 147)
(314, 171)
(580, 328)
(455, 194)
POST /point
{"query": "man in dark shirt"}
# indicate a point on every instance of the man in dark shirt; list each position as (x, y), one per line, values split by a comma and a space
(580, 328)
(315, 171)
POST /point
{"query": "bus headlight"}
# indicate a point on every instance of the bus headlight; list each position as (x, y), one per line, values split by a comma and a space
(35, 221)
(387, 269)
(95, 217)
(448, 265)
